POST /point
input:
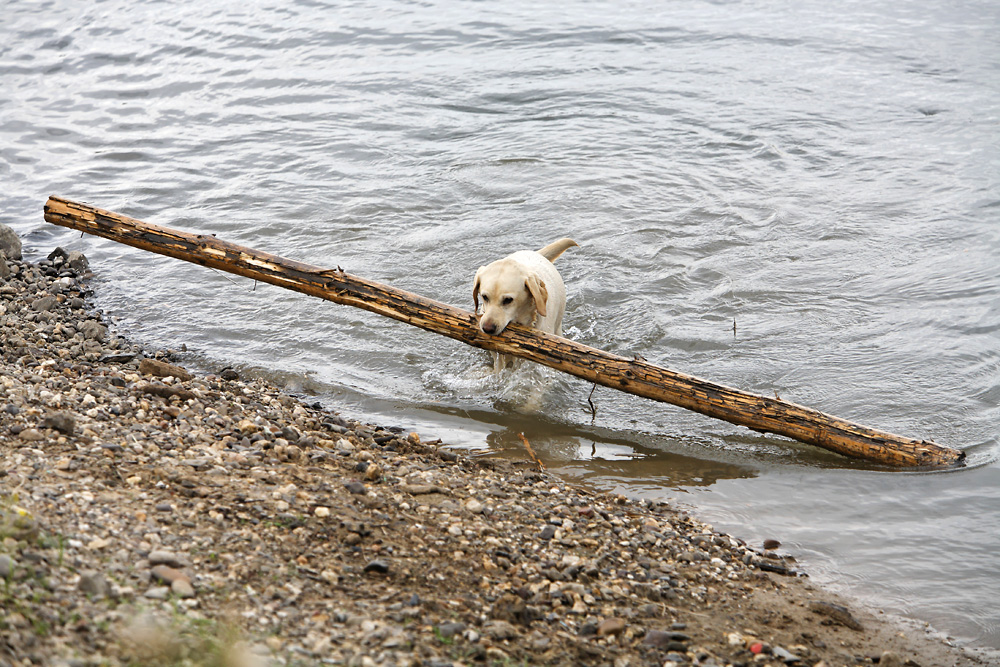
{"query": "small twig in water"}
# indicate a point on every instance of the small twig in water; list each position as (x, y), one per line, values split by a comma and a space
(734, 327)
(593, 408)
(231, 280)
(531, 452)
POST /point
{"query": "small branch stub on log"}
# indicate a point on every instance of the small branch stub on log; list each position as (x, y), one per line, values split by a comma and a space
(634, 376)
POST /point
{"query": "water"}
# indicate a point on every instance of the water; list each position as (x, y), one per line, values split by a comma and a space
(825, 175)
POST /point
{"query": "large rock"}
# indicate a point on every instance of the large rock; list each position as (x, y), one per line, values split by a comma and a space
(77, 261)
(10, 245)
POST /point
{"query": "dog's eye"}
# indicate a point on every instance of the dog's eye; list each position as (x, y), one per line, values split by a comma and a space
(486, 298)
(507, 300)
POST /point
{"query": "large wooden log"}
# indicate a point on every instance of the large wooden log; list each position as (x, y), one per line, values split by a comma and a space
(635, 376)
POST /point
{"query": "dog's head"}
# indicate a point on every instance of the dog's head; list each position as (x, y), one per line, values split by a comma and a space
(511, 292)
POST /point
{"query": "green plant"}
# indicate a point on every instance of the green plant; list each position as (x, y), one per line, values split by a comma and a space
(447, 641)
(183, 641)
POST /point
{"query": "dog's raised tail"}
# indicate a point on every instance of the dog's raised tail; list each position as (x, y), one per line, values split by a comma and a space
(553, 250)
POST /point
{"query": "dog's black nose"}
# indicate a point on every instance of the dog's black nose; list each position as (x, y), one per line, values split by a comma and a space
(489, 328)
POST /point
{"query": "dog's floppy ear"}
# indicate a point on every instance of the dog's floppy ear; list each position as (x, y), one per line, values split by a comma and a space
(538, 292)
(475, 289)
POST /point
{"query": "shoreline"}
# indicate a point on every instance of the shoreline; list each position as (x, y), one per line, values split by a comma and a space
(151, 516)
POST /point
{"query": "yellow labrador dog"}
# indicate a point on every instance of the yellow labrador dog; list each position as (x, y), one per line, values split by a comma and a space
(523, 287)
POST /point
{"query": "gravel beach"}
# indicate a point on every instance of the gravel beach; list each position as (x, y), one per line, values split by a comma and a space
(151, 516)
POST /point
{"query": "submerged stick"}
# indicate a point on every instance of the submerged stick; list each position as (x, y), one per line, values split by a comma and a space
(634, 376)
(531, 453)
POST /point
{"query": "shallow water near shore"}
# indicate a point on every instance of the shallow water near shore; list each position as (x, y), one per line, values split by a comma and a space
(802, 201)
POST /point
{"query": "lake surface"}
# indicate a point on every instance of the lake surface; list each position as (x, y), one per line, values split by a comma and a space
(825, 175)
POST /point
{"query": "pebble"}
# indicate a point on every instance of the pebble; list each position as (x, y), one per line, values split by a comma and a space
(474, 506)
(167, 575)
(77, 261)
(168, 558)
(164, 369)
(611, 626)
(837, 612)
(93, 330)
(6, 566)
(31, 435)
(45, 303)
(157, 593)
(10, 244)
(378, 567)
(449, 630)
(60, 421)
(182, 588)
(356, 487)
(500, 630)
(93, 583)
(785, 655)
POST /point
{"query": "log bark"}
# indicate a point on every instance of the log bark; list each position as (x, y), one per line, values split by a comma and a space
(635, 376)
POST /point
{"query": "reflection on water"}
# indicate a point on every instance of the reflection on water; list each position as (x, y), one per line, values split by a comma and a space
(588, 457)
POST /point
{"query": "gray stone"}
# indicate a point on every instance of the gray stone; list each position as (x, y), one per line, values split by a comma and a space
(837, 612)
(6, 566)
(4, 269)
(168, 558)
(290, 433)
(45, 303)
(649, 610)
(787, 656)
(657, 638)
(93, 330)
(60, 421)
(77, 261)
(377, 566)
(449, 630)
(500, 630)
(10, 245)
(158, 593)
(182, 588)
(57, 256)
(356, 488)
(93, 583)
(474, 506)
